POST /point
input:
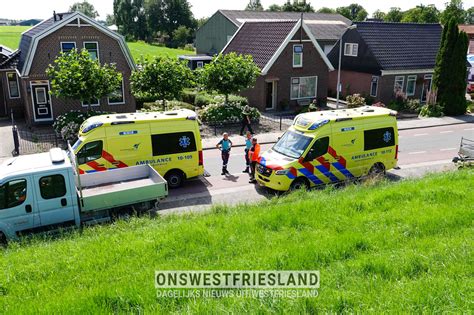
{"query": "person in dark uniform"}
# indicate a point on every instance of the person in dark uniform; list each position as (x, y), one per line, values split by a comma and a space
(246, 121)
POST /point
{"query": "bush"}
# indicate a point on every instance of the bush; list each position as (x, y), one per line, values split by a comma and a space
(189, 47)
(189, 96)
(434, 110)
(204, 99)
(228, 113)
(67, 125)
(170, 105)
(355, 100)
(413, 105)
(140, 100)
(379, 104)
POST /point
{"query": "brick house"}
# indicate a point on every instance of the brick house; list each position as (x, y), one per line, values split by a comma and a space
(213, 36)
(469, 30)
(382, 58)
(23, 80)
(294, 67)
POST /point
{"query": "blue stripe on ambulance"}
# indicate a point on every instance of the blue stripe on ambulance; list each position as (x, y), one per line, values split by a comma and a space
(327, 173)
(344, 171)
(310, 176)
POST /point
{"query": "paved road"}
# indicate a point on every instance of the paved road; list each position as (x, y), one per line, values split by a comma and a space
(420, 151)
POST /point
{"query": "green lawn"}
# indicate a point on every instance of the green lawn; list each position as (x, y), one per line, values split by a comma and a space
(401, 247)
(10, 37)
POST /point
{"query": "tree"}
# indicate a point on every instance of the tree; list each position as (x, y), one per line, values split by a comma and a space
(163, 78)
(76, 76)
(354, 12)
(229, 74)
(274, 8)
(379, 15)
(326, 10)
(297, 6)
(254, 5)
(175, 13)
(470, 15)
(109, 19)
(421, 14)
(181, 36)
(84, 7)
(449, 79)
(454, 10)
(394, 15)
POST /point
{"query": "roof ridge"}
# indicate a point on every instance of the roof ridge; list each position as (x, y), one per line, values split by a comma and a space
(395, 23)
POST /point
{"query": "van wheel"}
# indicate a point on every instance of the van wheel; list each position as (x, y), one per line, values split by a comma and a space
(377, 171)
(174, 178)
(299, 183)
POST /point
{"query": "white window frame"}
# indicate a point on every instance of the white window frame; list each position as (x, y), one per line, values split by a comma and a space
(409, 79)
(399, 78)
(306, 97)
(200, 64)
(301, 54)
(97, 47)
(92, 105)
(45, 96)
(377, 86)
(17, 86)
(61, 45)
(352, 47)
(123, 97)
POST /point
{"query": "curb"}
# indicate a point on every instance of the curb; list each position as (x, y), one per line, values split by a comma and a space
(406, 128)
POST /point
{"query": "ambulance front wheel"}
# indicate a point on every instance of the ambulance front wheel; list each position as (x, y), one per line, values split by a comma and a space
(175, 178)
(299, 183)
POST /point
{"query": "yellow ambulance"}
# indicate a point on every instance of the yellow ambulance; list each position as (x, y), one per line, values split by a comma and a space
(169, 141)
(331, 146)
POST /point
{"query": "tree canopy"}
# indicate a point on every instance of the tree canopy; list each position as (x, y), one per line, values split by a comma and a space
(254, 5)
(354, 12)
(229, 74)
(74, 75)
(421, 14)
(85, 8)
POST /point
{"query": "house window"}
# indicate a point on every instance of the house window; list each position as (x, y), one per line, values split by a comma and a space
(399, 83)
(304, 87)
(411, 85)
(374, 84)
(67, 46)
(93, 49)
(297, 56)
(199, 64)
(13, 86)
(93, 103)
(351, 49)
(117, 97)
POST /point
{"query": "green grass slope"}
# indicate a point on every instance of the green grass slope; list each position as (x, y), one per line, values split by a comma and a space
(402, 247)
(10, 37)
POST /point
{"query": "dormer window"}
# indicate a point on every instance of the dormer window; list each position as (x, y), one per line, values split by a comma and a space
(297, 56)
(351, 49)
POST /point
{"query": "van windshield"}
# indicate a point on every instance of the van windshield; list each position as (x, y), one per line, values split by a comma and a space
(292, 144)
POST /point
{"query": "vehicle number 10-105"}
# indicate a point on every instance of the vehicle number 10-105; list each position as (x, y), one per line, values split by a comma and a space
(185, 157)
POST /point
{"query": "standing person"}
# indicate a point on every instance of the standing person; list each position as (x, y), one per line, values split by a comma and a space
(313, 107)
(254, 154)
(248, 145)
(246, 120)
(224, 145)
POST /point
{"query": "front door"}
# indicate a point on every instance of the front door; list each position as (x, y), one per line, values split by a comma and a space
(271, 95)
(427, 82)
(41, 102)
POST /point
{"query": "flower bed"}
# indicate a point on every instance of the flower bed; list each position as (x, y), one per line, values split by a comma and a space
(67, 125)
(225, 114)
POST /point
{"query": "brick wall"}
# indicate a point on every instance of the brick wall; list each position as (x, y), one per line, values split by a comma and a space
(109, 52)
(12, 104)
(351, 82)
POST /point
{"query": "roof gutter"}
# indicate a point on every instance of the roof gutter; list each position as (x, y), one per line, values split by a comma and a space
(404, 72)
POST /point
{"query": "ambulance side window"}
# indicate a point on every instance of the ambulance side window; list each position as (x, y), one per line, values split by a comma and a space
(173, 143)
(379, 138)
(319, 148)
(90, 151)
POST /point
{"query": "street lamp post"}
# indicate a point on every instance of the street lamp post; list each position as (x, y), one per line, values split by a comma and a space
(338, 88)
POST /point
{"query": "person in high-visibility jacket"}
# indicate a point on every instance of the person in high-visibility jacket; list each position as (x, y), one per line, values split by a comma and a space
(254, 154)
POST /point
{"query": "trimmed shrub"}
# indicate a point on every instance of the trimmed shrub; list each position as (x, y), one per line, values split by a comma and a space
(434, 110)
(67, 125)
(355, 100)
(189, 96)
(413, 105)
(229, 113)
(170, 105)
(204, 99)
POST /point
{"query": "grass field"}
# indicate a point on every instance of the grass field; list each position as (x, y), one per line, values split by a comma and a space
(10, 37)
(398, 247)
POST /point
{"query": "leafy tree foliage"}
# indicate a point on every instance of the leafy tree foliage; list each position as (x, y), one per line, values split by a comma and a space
(84, 7)
(470, 15)
(229, 74)
(74, 75)
(449, 79)
(274, 8)
(454, 10)
(421, 14)
(162, 78)
(394, 15)
(379, 15)
(354, 12)
(254, 5)
(110, 19)
(181, 36)
(297, 6)
(326, 10)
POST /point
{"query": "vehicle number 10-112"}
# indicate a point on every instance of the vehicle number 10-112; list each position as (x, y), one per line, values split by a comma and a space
(185, 157)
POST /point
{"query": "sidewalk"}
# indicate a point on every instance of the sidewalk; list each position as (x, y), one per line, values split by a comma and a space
(403, 124)
(6, 144)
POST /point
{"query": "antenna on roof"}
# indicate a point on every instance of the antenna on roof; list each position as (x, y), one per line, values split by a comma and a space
(54, 16)
(301, 28)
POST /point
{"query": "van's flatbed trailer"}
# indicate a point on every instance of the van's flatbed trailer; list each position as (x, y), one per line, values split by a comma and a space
(466, 151)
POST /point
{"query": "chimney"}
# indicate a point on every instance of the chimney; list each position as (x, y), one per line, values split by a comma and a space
(60, 15)
(54, 16)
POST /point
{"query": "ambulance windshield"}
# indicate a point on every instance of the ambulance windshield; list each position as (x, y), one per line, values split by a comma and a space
(292, 144)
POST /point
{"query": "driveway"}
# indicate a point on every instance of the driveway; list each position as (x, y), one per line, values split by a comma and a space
(6, 140)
